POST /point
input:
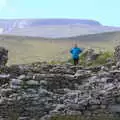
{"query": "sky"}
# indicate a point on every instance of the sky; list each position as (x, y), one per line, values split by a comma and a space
(104, 11)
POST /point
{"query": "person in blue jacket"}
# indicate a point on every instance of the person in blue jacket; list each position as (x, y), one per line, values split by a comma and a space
(75, 51)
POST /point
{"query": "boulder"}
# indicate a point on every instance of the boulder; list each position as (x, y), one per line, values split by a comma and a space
(3, 56)
(15, 83)
(117, 53)
(91, 55)
(32, 83)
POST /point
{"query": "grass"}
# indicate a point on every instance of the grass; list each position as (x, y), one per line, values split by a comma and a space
(24, 50)
(101, 59)
(28, 51)
(102, 117)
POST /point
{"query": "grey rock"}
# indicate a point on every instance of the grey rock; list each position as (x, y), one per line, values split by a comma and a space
(23, 118)
(6, 92)
(21, 77)
(91, 55)
(82, 74)
(115, 108)
(32, 82)
(16, 83)
(43, 83)
(3, 56)
(3, 76)
(59, 107)
(117, 53)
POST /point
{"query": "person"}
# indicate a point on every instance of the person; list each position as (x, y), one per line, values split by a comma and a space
(75, 51)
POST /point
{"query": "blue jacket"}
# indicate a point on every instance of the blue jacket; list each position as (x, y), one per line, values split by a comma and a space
(75, 52)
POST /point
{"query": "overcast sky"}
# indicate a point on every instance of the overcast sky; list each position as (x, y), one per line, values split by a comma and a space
(104, 11)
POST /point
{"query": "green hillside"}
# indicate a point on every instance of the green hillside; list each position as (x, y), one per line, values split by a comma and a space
(30, 49)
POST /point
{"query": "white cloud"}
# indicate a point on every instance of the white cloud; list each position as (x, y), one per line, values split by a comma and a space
(3, 4)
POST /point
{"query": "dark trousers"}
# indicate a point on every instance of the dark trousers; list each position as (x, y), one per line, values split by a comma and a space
(76, 61)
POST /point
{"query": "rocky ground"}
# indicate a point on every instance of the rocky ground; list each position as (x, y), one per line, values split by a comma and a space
(38, 91)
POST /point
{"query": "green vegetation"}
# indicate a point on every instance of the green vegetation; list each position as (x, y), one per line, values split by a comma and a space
(67, 118)
(101, 117)
(101, 59)
(28, 51)
(24, 50)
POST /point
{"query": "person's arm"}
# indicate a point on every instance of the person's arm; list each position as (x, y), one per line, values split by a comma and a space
(80, 50)
(71, 50)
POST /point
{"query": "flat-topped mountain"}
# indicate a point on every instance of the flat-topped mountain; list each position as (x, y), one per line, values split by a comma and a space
(52, 27)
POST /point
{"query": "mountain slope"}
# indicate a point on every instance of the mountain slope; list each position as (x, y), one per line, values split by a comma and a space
(101, 37)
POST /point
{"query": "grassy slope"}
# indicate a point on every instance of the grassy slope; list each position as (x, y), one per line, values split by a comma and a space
(106, 36)
(26, 50)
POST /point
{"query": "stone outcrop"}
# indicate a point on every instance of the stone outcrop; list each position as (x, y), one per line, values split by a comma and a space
(3, 56)
(38, 91)
(117, 53)
(41, 90)
(91, 55)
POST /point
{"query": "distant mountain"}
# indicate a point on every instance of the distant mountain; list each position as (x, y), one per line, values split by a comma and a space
(53, 28)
